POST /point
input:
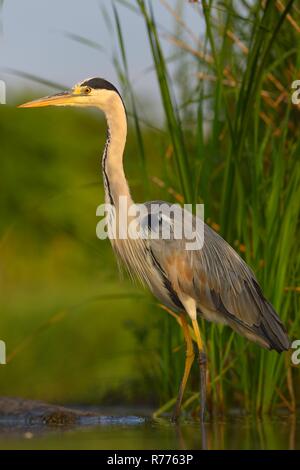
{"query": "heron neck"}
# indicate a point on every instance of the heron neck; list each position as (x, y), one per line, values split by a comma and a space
(115, 183)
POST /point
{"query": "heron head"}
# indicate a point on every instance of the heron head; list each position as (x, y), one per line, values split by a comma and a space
(91, 92)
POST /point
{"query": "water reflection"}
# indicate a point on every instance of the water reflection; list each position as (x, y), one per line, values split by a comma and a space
(241, 433)
(235, 432)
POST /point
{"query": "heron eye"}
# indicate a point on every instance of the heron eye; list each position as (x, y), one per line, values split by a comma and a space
(87, 90)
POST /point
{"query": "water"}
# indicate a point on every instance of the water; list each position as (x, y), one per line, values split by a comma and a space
(118, 430)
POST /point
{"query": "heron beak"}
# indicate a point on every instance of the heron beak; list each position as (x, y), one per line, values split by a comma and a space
(59, 99)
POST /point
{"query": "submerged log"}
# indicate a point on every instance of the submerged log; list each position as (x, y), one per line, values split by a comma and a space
(33, 412)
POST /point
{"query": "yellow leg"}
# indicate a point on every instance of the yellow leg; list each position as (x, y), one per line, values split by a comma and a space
(199, 340)
(202, 365)
(189, 359)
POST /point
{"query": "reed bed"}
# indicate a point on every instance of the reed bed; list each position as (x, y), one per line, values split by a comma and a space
(233, 140)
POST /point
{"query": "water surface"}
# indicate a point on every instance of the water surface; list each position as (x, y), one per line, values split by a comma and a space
(121, 429)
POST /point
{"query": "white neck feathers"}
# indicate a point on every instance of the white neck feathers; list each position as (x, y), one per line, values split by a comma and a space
(112, 164)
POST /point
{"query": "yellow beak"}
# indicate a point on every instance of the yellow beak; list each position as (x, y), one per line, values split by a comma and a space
(59, 99)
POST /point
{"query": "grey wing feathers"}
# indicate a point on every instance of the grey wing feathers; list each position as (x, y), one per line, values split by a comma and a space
(235, 292)
(223, 285)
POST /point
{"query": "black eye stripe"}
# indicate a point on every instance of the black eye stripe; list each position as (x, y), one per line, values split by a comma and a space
(100, 84)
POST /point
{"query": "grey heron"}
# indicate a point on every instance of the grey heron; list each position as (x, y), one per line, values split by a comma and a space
(213, 282)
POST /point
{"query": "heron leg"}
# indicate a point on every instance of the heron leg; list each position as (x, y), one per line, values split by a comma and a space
(202, 365)
(189, 359)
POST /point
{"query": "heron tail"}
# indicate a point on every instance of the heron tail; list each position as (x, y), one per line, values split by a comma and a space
(273, 330)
